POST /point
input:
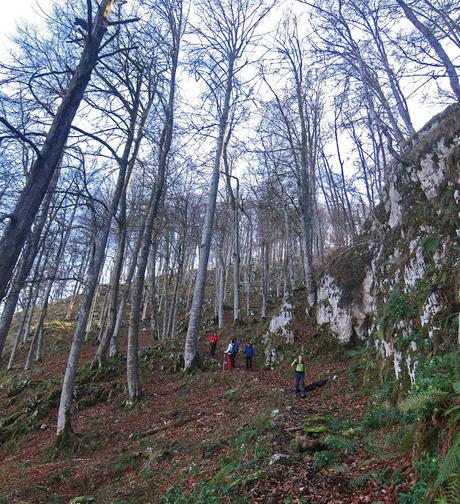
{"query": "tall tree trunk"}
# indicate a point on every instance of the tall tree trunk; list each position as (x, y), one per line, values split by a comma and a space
(265, 280)
(134, 388)
(27, 260)
(164, 297)
(221, 297)
(171, 330)
(124, 297)
(94, 269)
(206, 236)
(28, 312)
(76, 291)
(37, 340)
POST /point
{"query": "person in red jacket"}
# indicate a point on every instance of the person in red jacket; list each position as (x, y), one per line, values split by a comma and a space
(213, 339)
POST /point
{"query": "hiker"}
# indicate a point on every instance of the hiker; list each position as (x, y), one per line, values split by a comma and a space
(213, 339)
(248, 355)
(299, 374)
(230, 355)
(236, 349)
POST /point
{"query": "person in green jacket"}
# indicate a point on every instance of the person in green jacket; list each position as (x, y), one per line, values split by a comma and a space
(299, 375)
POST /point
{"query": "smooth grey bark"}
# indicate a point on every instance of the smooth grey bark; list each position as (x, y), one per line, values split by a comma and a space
(32, 296)
(37, 340)
(289, 271)
(164, 297)
(132, 372)
(248, 273)
(104, 343)
(234, 201)
(171, 329)
(153, 292)
(216, 290)
(76, 290)
(103, 314)
(221, 296)
(265, 280)
(206, 236)
(231, 26)
(94, 269)
(125, 295)
(25, 265)
(48, 158)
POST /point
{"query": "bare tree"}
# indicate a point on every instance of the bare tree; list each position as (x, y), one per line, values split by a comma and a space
(48, 157)
(227, 30)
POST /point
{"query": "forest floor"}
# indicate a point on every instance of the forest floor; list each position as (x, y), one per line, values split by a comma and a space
(206, 437)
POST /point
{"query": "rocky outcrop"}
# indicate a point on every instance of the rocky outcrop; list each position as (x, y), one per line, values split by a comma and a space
(398, 286)
(279, 333)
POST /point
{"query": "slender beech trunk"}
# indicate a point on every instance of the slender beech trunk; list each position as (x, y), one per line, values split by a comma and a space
(76, 291)
(265, 281)
(28, 312)
(164, 297)
(48, 158)
(124, 297)
(37, 340)
(206, 236)
(216, 290)
(249, 271)
(171, 330)
(221, 297)
(94, 269)
(134, 388)
(27, 260)
(234, 200)
(153, 292)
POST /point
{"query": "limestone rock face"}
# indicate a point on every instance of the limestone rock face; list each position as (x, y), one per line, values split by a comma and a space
(403, 297)
(281, 323)
(279, 333)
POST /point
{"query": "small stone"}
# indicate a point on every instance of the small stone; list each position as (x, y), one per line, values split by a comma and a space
(43, 426)
(275, 413)
(278, 458)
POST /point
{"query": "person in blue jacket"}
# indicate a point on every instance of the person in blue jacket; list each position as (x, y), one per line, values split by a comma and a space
(248, 355)
(236, 350)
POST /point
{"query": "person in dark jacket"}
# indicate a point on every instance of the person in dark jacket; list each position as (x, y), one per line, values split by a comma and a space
(236, 349)
(248, 355)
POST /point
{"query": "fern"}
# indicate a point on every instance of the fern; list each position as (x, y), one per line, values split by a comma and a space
(422, 399)
(451, 463)
(454, 414)
(453, 488)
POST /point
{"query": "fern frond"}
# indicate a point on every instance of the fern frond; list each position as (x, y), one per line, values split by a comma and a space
(453, 415)
(453, 488)
(421, 399)
(451, 463)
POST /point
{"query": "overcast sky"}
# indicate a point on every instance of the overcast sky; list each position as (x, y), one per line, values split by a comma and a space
(15, 11)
